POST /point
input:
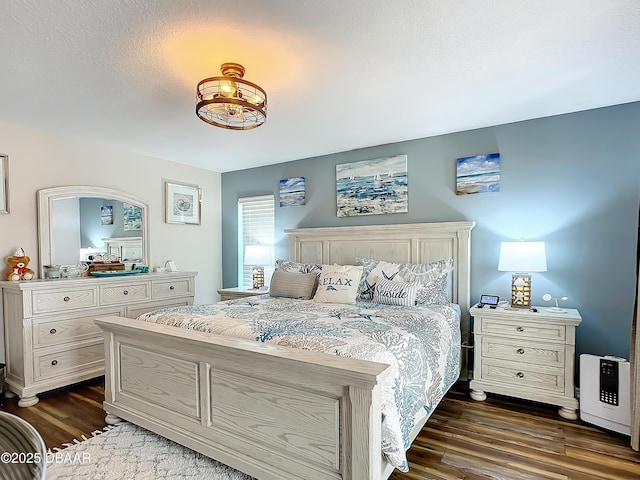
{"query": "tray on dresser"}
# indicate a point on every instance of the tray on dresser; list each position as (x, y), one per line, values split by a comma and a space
(115, 273)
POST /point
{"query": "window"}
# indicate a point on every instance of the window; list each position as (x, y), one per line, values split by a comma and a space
(256, 225)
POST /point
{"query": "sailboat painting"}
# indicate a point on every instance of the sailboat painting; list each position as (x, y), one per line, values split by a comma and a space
(478, 174)
(372, 187)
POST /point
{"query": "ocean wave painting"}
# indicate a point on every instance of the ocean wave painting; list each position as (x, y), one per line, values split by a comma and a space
(372, 187)
(132, 217)
(478, 174)
(292, 193)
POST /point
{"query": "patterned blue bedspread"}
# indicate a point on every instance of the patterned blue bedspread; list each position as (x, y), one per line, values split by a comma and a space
(421, 344)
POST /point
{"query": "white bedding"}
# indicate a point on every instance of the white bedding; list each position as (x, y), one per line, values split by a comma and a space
(421, 344)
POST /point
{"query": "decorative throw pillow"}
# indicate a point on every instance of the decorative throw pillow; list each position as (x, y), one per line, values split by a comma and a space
(422, 273)
(395, 293)
(338, 284)
(434, 292)
(289, 266)
(293, 284)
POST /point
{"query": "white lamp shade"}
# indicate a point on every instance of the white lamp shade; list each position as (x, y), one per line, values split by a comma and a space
(522, 257)
(257, 255)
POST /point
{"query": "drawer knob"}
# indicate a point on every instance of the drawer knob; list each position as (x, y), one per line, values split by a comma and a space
(521, 329)
(66, 299)
(52, 331)
(54, 362)
(172, 287)
(520, 375)
(125, 292)
(521, 351)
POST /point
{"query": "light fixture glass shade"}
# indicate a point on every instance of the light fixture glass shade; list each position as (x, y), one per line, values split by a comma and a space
(259, 255)
(522, 257)
(230, 101)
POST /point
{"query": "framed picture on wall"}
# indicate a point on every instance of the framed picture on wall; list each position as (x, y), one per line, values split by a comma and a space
(372, 187)
(132, 217)
(106, 215)
(478, 174)
(182, 203)
(292, 193)
(4, 184)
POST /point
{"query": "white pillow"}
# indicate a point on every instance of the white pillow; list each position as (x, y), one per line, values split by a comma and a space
(395, 293)
(338, 284)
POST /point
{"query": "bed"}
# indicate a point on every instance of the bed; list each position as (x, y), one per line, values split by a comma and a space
(221, 396)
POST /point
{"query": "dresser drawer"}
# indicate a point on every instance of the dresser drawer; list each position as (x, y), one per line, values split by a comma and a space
(71, 360)
(117, 294)
(523, 375)
(173, 288)
(63, 300)
(515, 350)
(58, 332)
(523, 329)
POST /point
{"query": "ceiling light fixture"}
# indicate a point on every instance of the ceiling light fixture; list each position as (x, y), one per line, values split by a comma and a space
(230, 101)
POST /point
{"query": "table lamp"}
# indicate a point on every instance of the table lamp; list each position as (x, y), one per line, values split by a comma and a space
(258, 256)
(521, 258)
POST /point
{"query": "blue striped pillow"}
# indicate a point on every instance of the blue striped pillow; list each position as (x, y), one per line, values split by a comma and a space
(395, 293)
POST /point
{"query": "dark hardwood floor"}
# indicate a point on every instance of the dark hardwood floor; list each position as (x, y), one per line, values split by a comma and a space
(500, 438)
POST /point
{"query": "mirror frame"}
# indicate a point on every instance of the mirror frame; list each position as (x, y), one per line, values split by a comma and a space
(46, 196)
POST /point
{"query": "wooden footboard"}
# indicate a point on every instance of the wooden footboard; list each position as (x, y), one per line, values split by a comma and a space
(272, 412)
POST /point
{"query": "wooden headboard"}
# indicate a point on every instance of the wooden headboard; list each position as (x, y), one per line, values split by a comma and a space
(406, 243)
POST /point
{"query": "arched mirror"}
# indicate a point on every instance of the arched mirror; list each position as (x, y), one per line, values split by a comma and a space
(76, 221)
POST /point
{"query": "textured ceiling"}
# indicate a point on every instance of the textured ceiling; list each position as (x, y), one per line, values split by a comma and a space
(339, 74)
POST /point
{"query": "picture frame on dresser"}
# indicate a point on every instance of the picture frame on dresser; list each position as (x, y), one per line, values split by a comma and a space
(183, 203)
(4, 184)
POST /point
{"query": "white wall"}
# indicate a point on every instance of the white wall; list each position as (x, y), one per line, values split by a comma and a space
(40, 160)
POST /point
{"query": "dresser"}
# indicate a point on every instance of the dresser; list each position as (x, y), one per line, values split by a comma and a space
(51, 339)
(526, 354)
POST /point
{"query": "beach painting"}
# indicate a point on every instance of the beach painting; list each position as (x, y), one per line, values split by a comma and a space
(478, 174)
(106, 215)
(372, 187)
(292, 192)
(132, 217)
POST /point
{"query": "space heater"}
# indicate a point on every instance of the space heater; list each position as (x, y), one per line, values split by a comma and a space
(605, 398)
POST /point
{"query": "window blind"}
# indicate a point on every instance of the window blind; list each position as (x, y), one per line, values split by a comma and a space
(256, 225)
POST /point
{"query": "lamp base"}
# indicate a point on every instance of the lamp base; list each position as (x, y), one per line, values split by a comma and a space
(520, 290)
(258, 277)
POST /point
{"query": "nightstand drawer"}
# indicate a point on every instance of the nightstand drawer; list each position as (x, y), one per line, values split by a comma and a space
(523, 375)
(514, 350)
(522, 329)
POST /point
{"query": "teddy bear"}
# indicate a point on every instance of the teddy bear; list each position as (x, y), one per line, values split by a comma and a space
(18, 267)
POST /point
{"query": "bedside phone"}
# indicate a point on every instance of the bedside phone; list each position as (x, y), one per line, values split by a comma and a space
(490, 301)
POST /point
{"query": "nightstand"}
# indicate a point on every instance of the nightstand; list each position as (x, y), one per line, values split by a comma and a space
(240, 292)
(526, 354)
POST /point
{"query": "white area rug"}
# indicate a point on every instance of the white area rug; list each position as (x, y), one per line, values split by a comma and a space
(129, 452)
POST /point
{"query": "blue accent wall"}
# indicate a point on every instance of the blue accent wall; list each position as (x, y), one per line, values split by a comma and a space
(572, 181)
